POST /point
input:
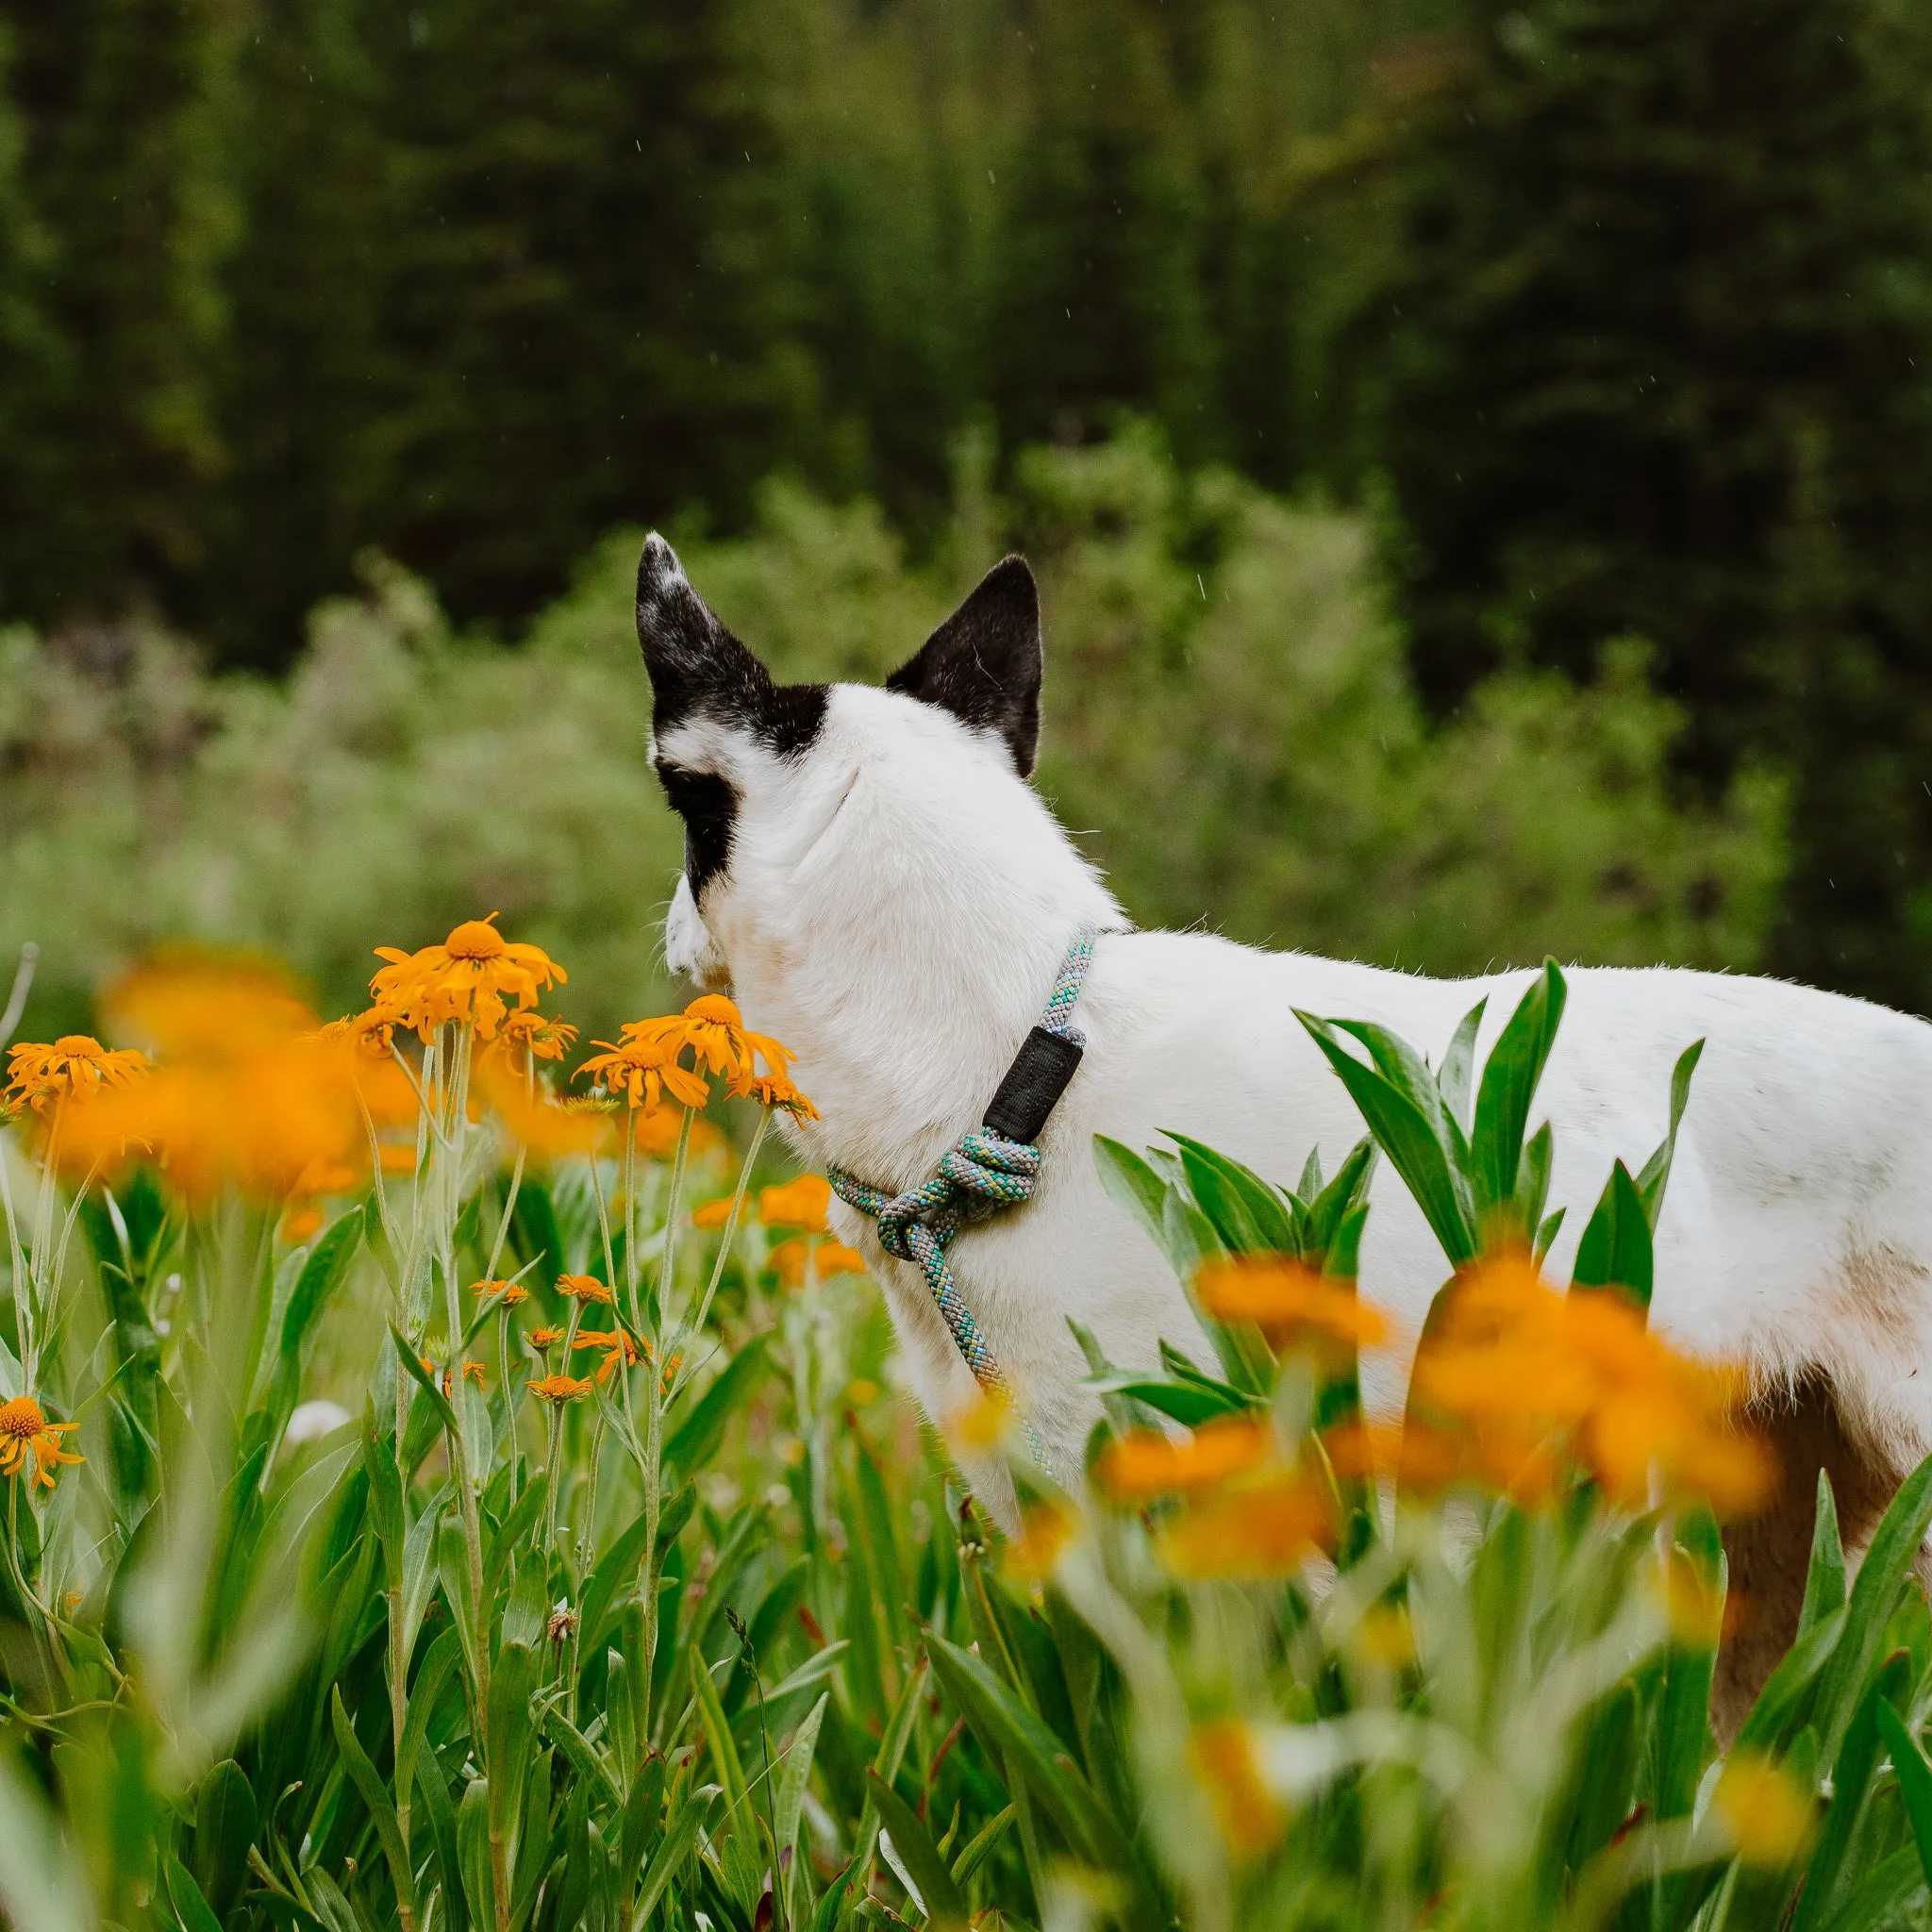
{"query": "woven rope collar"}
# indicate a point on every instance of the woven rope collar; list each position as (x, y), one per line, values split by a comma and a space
(985, 1171)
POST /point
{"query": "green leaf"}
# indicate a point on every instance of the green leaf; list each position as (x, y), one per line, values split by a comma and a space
(323, 1273)
(1134, 1185)
(1343, 1202)
(1851, 1781)
(585, 1759)
(472, 1851)
(831, 1907)
(673, 1848)
(717, 1729)
(510, 1739)
(444, 1657)
(983, 1846)
(1248, 1215)
(1655, 1176)
(1874, 1595)
(375, 1795)
(1798, 1671)
(1188, 1403)
(1459, 1061)
(1825, 1581)
(191, 1906)
(696, 1437)
(1510, 1076)
(225, 1822)
(938, 1896)
(796, 1775)
(412, 1366)
(1914, 1778)
(1416, 1141)
(1615, 1251)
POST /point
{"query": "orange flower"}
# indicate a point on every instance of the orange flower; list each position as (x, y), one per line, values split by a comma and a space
(467, 979)
(298, 1223)
(620, 1350)
(835, 1257)
(801, 1203)
(509, 1294)
(773, 1090)
(720, 1041)
(583, 1288)
(193, 1003)
(532, 1116)
(1290, 1303)
(643, 1068)
(76, 1066)
(541, 1038)
(1045, 1530)
(557, 1388)
(713, 1214)
(22, 1429)
(472, 1372)
(1516, 1379)
(1248, 1533)
(1138, 1468)
(546, 1337)
(1226, 1760)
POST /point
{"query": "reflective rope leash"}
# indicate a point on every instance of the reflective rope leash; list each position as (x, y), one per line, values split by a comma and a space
(993, 1167)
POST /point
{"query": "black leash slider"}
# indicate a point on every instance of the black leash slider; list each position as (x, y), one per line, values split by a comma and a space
(1035, 1081)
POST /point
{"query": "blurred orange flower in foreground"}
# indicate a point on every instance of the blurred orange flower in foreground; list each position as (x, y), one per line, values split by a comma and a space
(1138, 1468)
(1248, 1532)
(801, 1203)
(1515, 1378)
(1225, 1759)
(1289, 1301)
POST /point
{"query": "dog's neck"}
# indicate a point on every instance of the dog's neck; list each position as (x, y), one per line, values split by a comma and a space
(905, 959)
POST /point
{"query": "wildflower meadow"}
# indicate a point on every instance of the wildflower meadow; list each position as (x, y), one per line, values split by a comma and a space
(454, 1477)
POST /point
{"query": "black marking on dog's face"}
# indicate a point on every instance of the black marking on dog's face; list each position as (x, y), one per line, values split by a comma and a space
(699, 670)
(707, 804)
(984, 664)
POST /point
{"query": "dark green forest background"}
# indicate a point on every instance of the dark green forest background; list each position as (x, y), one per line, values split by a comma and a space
(1607, 319)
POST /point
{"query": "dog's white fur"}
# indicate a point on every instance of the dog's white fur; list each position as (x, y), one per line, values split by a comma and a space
(898, 902)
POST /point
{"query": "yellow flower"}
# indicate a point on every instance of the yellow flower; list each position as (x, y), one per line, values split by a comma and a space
(24, 1427)
(509, 1294)
(76, 1066)
(801, 1203)
(1045, 1530)
(557, 1388)
(1248, 1533)
(1770, 1814)
(466, 978)
(1290, 1303)
(1137, 1468)
(1385, 1637)
(1225, 1759)
(583, 1288)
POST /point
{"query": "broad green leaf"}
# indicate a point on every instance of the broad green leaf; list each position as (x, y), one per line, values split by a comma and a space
(1345, 1199)
(444, 1657)
(672, 1850)
(1133, 1184)
(1187, 1403)
(1459, 1063)
(689, 1446)
(375, 1796)
(924, 1868)
(1416, 1143)
(190, 1904)
(797, 1773)
(1510, 1076)
(717, 1729)
(510, 1737)
(1851, 1780)
(1655, 1176)
(585, 1757)
(323, 1273)
(1798, 1671)
(1825, 1581)
(225, 1822)
(1248, 1215)
(1914, 1778)
(1868, 1610)
(1615, 1251)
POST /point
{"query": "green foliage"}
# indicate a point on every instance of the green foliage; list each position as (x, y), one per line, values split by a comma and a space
(1207, 645)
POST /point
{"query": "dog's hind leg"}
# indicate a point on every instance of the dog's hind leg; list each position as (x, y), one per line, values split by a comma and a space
(1768, 1554)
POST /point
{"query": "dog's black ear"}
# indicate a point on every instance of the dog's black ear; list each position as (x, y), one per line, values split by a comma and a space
(695, 663)
(983, 665)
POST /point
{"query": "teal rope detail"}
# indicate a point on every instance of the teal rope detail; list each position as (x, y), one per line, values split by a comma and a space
(981, 1175)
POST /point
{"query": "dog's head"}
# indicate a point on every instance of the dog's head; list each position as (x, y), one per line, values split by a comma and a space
(779, 784)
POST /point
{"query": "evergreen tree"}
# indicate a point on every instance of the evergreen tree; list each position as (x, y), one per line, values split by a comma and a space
(1651, 355)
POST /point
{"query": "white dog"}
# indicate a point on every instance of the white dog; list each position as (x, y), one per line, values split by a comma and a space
(877, 882)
